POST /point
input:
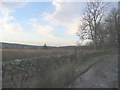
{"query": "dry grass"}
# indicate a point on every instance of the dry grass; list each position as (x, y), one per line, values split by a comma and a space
(53, 73)
(12, 54)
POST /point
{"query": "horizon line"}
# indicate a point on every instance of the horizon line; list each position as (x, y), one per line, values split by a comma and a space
(34, 44)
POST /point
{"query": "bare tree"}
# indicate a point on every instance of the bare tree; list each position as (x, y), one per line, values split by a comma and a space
(82, 33)
(102, 36)
(92, 18)
(112, 27)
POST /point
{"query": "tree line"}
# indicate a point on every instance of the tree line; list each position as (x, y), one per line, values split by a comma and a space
(100, 24)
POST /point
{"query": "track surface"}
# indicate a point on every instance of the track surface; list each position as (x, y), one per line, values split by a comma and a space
(103, 74)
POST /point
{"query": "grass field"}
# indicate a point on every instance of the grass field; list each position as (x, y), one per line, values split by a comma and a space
(12, 54)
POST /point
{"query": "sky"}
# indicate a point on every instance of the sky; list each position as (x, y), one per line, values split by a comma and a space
(36, 23)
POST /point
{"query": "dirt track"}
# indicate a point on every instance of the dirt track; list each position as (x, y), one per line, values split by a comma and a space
(103, 74)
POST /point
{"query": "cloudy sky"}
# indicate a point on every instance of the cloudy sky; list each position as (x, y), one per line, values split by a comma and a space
(54, 23)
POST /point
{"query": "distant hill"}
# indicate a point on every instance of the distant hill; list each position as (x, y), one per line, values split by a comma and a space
(14, 45)
(21, 46)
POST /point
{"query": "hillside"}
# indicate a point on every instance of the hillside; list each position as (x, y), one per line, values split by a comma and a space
(15, 45)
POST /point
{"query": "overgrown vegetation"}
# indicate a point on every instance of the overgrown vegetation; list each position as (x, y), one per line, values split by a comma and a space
(47, 71)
